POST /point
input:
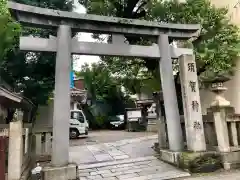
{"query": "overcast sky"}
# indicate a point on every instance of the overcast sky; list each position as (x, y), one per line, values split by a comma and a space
(80, 60)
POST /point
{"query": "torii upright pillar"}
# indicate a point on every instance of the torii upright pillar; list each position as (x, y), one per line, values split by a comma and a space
(169, 96)
(61, 112)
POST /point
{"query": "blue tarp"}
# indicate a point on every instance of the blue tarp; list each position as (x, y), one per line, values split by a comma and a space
(72, 79)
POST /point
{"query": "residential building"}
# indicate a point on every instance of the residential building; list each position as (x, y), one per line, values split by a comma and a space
(10, 99)
(78, 98)
(233, 92)
(233, 9)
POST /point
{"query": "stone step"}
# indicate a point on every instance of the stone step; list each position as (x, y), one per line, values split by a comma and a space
(144, 168)
(162, 176)
(133, 140)
(112, 163)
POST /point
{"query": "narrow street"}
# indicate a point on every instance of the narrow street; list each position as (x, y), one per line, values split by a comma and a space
(106, 136)
(120, 155)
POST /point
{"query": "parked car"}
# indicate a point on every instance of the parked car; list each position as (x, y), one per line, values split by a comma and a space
(117, 122)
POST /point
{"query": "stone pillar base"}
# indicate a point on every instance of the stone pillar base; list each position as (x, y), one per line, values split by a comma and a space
(69, 172)
(187, 160)
(231, 160)
(152, 125)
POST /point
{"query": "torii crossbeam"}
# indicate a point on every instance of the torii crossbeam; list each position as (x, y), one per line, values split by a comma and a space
(100, 49)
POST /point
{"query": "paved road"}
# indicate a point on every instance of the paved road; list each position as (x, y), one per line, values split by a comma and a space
(116, 150)
(105, 136)
(120, 155)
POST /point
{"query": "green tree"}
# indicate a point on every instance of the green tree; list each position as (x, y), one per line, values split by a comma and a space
(215, 49)
(32, 73)
(132, 74)
(9, 31)
(103, 86)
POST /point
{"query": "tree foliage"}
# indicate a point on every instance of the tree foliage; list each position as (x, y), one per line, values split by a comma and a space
(215, 50)
(9, 31)
(31, 73)
(132, 73)
(103, 86)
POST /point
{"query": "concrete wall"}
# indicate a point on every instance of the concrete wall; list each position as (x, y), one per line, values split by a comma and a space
(143, 96)
(233, 8)
(232, 94)
(79, 83)
(45, 116)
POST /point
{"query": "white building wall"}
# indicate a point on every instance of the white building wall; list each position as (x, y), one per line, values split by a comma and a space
(232, 94)
(45, 116)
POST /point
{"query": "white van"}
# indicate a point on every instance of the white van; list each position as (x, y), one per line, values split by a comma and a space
(78, 124)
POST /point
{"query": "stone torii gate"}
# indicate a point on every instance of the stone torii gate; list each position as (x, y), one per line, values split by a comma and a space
(65, 46)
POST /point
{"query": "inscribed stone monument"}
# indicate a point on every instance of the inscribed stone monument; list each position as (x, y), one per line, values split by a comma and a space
(191, 104)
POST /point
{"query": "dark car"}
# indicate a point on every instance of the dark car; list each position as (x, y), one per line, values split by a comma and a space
(117, 122)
